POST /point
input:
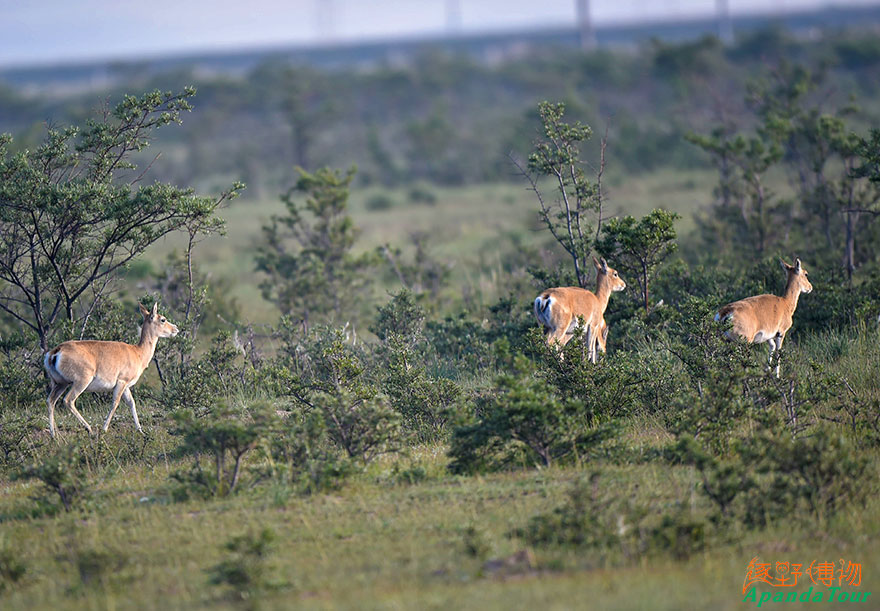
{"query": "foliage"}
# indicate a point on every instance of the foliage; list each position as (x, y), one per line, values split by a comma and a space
(303, 453)
(557, 155)
(524, 420)
(306, 254)
(244, 571)
(226, 434)
(638, 247)
(426, 403)
(19, 386)
(72, 218)
(63, 473)
(12, 569)
(326, 376)
(612, 524)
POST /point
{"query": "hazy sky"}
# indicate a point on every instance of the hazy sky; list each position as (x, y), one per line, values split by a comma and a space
(45, 31)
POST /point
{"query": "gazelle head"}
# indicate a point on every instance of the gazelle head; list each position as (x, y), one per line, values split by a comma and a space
(608, 275)
(156, 324)
(798, 275)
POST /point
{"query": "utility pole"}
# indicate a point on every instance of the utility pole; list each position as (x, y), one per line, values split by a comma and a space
(585, 25)
(725, 26)
(453, 16)
(324, 18)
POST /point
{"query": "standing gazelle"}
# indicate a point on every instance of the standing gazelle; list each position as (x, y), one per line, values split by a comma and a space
(558, 309)
(97, 366)
(767, 318)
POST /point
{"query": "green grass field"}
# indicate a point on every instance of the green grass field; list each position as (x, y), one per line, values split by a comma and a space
(381, 543)
(469, 228)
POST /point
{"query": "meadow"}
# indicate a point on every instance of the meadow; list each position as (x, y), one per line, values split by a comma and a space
(360, 410)
(385, 541)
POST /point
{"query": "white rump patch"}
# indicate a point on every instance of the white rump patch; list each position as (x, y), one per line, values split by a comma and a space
(543, 309)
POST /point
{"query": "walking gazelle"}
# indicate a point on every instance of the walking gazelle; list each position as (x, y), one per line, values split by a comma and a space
(767, 318)
(97, 366)
(558, 309)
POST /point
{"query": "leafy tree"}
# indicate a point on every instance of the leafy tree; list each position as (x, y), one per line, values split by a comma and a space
(72, 214)
(557, 155)
(524, 420)
(638, 247)
(822, 154)
(227, 434)
(306, 254)
(746, 214)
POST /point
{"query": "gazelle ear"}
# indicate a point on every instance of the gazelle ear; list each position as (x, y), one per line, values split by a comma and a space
(797, 265)
(155, 310)
(596, 263)
(604, 265)
(144, 311)
(785, 265)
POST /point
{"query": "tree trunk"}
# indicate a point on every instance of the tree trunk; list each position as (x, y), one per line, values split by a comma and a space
(852, 219)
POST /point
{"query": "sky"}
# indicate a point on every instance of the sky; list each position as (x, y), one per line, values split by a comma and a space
(62, 31)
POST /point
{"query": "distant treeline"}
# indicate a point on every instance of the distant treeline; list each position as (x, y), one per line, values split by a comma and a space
(450, 120)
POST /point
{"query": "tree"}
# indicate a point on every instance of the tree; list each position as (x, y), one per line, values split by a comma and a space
(638, 247)
(72, 214)
(822, 155)
(745, 213)
(558, 157)
(306, 254)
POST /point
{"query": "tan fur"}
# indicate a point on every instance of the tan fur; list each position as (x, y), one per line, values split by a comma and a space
(96, 366)
(767, 318)
(558, 309)
(602, 336)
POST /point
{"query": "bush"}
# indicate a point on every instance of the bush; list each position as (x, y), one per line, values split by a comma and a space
(244, 571)
(613, 525)
(422, 194)
(304, 455)
(380, 201)
(63, 473)
(227, 435)
(426, 404)
(12, 569)
(21, 384)
(524, 420)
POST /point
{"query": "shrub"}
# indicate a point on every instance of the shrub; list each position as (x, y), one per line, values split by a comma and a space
(20, 382)
(379, 201)
(12, 569)
(523, 412)
(62, 473)
(613, 525)
(244, 571)
(17, 431)
(309, 459)
(227, 435)
(426, 404)
(422, 194)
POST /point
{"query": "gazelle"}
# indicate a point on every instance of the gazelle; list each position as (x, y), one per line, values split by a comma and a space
(767, 318)
(96, 366)
(558, 309)
(602, 336)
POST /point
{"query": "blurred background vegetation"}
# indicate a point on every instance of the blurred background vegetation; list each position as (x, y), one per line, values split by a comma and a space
(435, 134)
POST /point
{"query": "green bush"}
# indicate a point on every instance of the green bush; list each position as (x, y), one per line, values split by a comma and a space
(63, 473)
(244, 570)
(227, 434)
(12, 569)
(379, 201)
(523, 420)
(304, 455)
(614, 526)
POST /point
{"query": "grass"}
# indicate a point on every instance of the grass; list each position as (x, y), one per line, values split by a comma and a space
(382, 544)
(470, 228)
